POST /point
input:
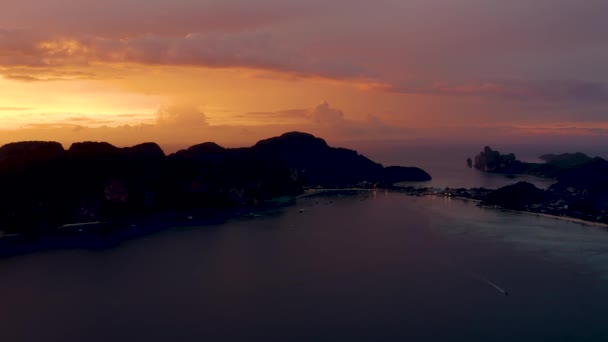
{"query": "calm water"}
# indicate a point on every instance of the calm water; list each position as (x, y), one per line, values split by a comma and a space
(363, 267)
(447, 164)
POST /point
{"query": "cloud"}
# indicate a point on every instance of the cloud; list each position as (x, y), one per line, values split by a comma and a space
(282, 117)
(492, 61)
(429, 40)
(84, 120)
(181, 116)
(28, 55)
(29, 74)
(521, 90)
(186, 124)
(120, 18)
(327, 120)
(323, 114)
(458, 44)
(14, 109)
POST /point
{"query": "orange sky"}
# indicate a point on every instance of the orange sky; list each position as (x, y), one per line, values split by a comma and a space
(181, 72)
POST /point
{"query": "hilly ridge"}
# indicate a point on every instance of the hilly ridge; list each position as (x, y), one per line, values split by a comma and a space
(45, 186)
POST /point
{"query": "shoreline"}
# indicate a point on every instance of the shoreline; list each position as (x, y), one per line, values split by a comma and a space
(15, 244)
(556, 217)
(90, 238)
(406, 191)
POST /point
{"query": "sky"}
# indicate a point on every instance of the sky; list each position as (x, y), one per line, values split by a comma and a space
(180, 72)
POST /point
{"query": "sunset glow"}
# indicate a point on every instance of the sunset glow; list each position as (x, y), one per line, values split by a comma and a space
(186, 71)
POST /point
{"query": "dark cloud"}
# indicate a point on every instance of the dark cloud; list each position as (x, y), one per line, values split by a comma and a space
(121, 18)
(523, 90)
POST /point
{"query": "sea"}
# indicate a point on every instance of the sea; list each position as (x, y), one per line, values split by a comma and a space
(328, 266)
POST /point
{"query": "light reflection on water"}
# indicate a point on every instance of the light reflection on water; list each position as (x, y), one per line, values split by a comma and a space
(373, 266)
(585, 244)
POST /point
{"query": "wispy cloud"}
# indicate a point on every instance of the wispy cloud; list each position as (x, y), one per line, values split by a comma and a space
(29, 56)
(523, 90)
(14, 109)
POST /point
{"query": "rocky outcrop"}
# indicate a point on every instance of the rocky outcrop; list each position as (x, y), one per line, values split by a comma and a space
(555, 164)
(489, 160)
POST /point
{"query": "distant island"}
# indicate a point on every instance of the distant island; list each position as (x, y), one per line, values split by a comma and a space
(580, 191)
(45, 186)
(493, 161)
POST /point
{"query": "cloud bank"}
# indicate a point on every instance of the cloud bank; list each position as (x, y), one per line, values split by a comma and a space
(496, 62)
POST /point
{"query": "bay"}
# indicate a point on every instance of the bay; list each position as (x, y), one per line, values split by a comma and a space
(360, 266)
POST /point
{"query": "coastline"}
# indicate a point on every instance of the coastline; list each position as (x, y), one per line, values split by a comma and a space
(556, 217)
(428, 192)
(13, 245)
(91, 237)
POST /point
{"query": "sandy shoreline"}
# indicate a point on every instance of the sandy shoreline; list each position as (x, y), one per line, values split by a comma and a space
(562, 218)
(313, 192)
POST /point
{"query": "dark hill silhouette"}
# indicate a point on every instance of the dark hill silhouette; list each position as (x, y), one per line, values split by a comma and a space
(566, 160)
(29, 153)
(91, 149)
(589, 182)
(515, 196)
(30, 150)
(321, 165)
(554, 165)
(144, 151)
(45, 186)
(592, 175)
(309, 158)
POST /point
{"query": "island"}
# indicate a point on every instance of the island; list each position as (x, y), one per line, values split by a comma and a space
(97, 194)
(493, 161)
(580, 191)
(46, 187)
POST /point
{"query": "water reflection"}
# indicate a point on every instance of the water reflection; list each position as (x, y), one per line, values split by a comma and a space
(364, 267)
